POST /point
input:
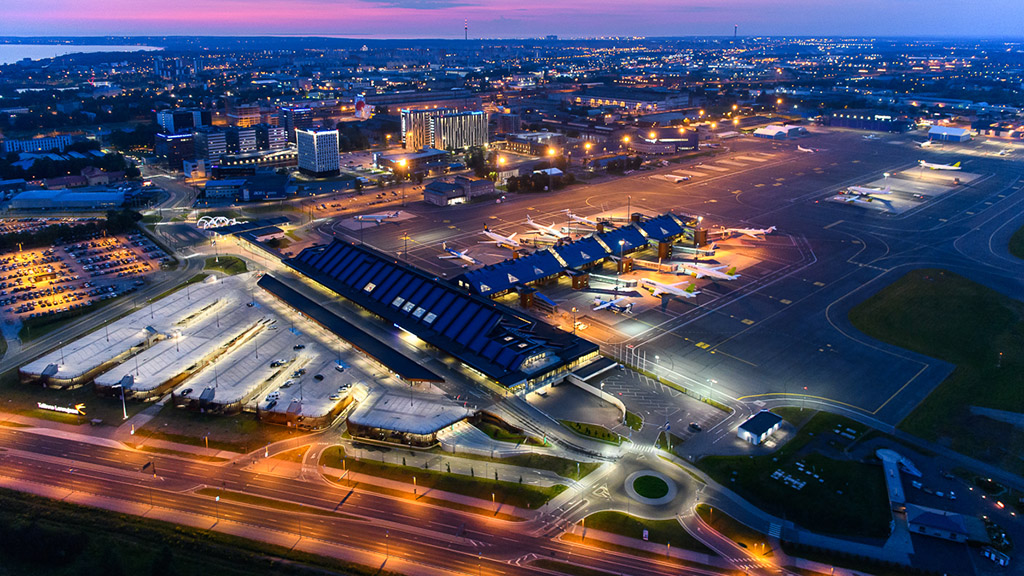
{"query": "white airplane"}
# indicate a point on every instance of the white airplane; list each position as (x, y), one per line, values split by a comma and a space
(378, 218)
(455, 254)
(545, 230)
(1004, 152)
(500, 240)
(658, 289)
(755, 233)
(705, 271)
(926, 144)
(613, 305)
(865, 191)
(871, 137)
(802, 149)
(579, 219)
(939, 166)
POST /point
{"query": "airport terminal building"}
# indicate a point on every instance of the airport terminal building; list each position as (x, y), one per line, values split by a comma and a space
(492, 341)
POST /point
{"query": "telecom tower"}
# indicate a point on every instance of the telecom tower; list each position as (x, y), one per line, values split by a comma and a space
(465, 28)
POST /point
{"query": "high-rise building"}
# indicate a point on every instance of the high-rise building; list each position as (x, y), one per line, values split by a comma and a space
(182, 121)
(173, 149)
(416, 127)
(240, 140)
(38, 144)
(318, 152)
(294, 117)
(242, 115)
(509, 124)
(458, 130)
(270, 137)
(210, 143)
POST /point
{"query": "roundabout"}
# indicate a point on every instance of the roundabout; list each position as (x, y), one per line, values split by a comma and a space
(650, 487)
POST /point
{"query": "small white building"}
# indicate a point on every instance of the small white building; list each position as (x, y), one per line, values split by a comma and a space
(759, 427)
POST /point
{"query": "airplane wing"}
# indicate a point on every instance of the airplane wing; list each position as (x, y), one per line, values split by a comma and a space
(657, 292)
(602, 306)
(449, 257)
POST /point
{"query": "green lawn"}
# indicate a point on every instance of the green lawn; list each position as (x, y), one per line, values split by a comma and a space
(658, 531)
(506, 491)
(564, 467)
(505, 434)
(1017, 243)
(45, 537)
(595, 431)
(650, 486)
(229, 265)
(946, 316)
(852, 492)
(633, 421)
(241, 433)
(21, 398)
(663, 444)
(738, 532)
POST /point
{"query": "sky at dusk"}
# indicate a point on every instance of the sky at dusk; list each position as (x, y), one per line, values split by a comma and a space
(511, 18)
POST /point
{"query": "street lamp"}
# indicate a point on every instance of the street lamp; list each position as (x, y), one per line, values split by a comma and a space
(622, 244)
(124, 408)
(402, 163)
(574, 320)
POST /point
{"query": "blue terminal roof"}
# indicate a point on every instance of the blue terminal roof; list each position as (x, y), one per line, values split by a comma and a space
(502, 276)
(490, 338)
(582, 252)
(406, 368)
(630, 234)
(662, 228)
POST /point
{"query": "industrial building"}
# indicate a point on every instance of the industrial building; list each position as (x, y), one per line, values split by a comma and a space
(510, 350)
(635, 100)
(426, 160)
(775, 132)
(949, 134)
(877, 121)
(318, 152)
(64, 199)
(457, 190)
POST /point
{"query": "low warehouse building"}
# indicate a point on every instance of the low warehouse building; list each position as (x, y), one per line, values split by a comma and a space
(949, 134)
(759, 427)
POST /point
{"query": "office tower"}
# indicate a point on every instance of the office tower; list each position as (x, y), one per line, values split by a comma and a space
(458, 130)
(270, 137)
(182, 121)
(294, 118)
(416, 127)
(318, 152)
(173, 149)
(210, 143)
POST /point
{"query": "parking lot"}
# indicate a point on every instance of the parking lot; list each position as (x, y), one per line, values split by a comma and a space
(48, 280)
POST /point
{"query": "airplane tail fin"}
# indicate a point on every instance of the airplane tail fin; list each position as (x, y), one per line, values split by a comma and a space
(692, 289)
(957, 164)
(628, 308)
(886, 190)
(731, 271)
(771, 229)
(528, 219)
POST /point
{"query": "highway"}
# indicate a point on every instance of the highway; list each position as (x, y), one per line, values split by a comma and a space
(441, 539)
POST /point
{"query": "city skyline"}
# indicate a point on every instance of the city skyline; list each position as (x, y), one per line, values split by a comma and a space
(492, 19)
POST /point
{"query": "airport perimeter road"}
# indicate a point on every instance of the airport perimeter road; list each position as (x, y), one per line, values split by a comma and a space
(368, 525)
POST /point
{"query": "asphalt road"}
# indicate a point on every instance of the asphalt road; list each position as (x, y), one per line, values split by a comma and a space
(440, 538)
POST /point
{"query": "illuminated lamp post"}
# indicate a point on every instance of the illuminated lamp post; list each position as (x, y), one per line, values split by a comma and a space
(402, 163)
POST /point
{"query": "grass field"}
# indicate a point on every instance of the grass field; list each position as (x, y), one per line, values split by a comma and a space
(22, 398)
(44, 537)
(658, 531)
(595, 431)
(236, 433)
(229, 265)
(502, 434)
(1017, 243)
(650, 486)
(564, 467)
(948, 317)
(738, 532)
(853, 492)
(505, 491)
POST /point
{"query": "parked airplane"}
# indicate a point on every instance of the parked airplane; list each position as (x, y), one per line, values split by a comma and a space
(613, 305)
(863, 194)
(939, 166)
(455, 254)
(500, 240)
(658, 289)
(1004, 152)
(755, 233)
(579, 219)
(705, 271)
(378, 218)
(926, 144)
(802, 149)
(871, 137)
(545, 230)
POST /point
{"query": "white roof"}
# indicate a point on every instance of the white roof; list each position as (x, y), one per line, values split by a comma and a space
(402, 413)
(948, 131)
(772, 130)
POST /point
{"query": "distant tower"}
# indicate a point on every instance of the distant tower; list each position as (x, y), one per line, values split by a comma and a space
(735, 30)
(465, 28)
